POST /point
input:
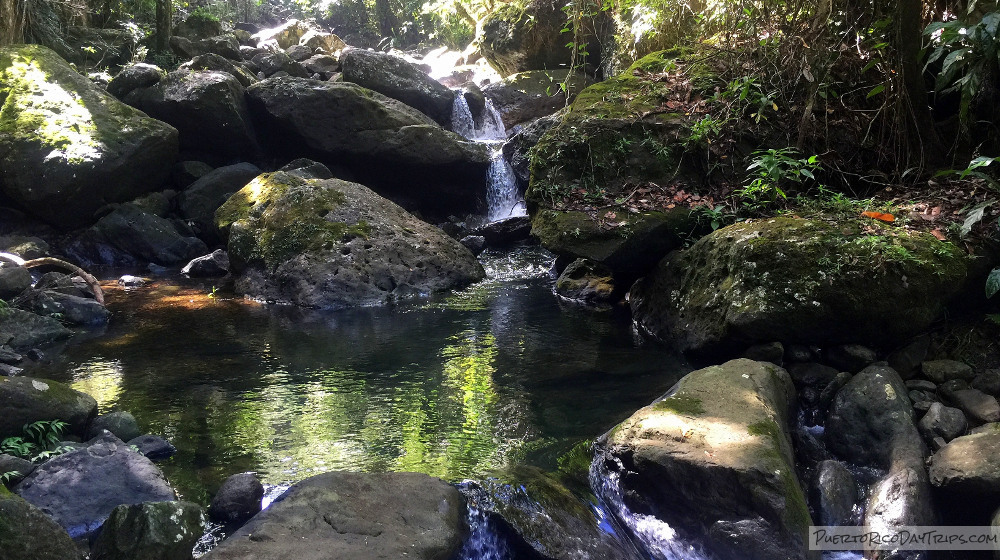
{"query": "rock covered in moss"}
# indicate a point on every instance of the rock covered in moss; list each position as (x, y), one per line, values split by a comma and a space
(715, 455)
(397, 78)
(23, 330)
(26, 533)
(151, 531)
(68, 148)
(799, 281)
(586, 281)
(395, 149)
(134, 76)
(27, 399)
(333, 244)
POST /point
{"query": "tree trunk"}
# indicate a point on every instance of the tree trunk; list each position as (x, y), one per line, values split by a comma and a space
(385, 18)
(163, 19)
(915, 114)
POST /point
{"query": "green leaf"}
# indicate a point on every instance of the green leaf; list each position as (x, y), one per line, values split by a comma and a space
(974, 216)
(876, 90)
(993, 283)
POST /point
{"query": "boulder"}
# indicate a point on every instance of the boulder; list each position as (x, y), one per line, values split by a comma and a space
(153, 447)
(217, 63)
(238, 499)
(208, 109)
(71, 309)
(586, 281)
(907, 359)
(942, 421)
(120, 423)
(270, 63)
(399, 79)
(526, 96)
(91, 47)
(284, 35)
(150, 531)
(395, 149)
(968, 467)
(322, 64)
(773, 352)
(15, 468)
(68, 148)
(940, 371)
(528, 35)
(630, 248)
(81, 488)
(208, 266)
(834, 493)
(900, 499)
(980, 407)
(505, 231)
(185, 173)
(715, 455)
(474, 243)
(353, 515)
(26, 247)
(988, 382)
(198, 202)
(517, 150)
(198, 26)
(222, 45)
(316, 39)
(22, 330)
(26, 533)
(13, 281)
(135, 76)
(27, 399)
(851, 358)
(147, 237)
(334, 244)
(765, 280)
(298, 53)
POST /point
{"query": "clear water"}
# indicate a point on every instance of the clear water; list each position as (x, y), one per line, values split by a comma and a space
(498, 374)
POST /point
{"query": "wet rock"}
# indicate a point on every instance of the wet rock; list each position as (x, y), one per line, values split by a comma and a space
(940, 371)
(73, 148)
(800, 353)
(10, 370)
(214, 264)
(517, 150)
(353, 515)
(70, 309)
(207, 108)
(26, 247)
(811, 374)
(135, 76)
(586, 281)
(399, 79)
(13, 281)
(334, 244)
(829, 392)
(120, 423)
(15, 467)
(834, 492)
(238, 499)
(393, 148)
(901, 499)
(65, 284)
(716, 463)
(144, 236)
(129, 281)
(922, 406)
(947, 388)
(526, 96)
(150, 531)
(27, 399)
(980, 407)
(505, 231)
(474, 243)
(988, 382)
(871, 421)
(772, 352)
(943, 421)
(969, 466)
(29, 534)
(907, 359)
(732, 289)
(199, 201)
(81, 488)
(851, 358)
(153, 447)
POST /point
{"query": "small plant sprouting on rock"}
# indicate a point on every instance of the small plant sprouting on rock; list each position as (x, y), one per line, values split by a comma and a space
(39, 442)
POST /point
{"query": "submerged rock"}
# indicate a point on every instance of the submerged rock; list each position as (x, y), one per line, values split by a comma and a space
(586, 281)
(153, 447)
(766, 280)
(26, 533)
(150, 531)
(715, 455)
(27, 399)
(334, 244)
(354, 515)
(68, 148)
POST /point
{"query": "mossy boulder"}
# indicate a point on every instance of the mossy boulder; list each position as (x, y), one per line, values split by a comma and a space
(527, 35)
(26, 533)
(391, 147)
(23, 330)
(714, 459)
(525, 96)
(399, 79)
(26, 399)
(151, 531)
(630, 246)
(799, 281)
(199, 26)
(333, 244)
(68, 148)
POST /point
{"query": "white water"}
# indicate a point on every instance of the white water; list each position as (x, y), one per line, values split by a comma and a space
(502, 197)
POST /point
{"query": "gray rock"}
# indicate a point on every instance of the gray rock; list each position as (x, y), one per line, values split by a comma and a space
(322, 64)
(505, 231)
(16, 467)
(74, 310)
(186, 173)
(120, 423)
(315, 39)
(24, 246)
(969, 466)
(238, 499)
(801, 353)
(980, 407)
(219, 63)
(135, 76)
(901, 499)
(921, 385)
(13, 281)
(114, 153)
(298, 53)
(948, 387)
(871, 422)
(199, 201)
(474, 243)
(394, 77)
(834, 493)
(988, 382)
(586, 281)
(147, 237)
(10, 370)
(942, 421)
(811, 374)
(27, 399)
(922, 396)
(829, 392)
(353, 515)
(940, 371)
(30, 534)
(150, 531)
(773, 352)
(223, 45)
(206, 107)
(80, 489)
(271, 63)
(334, 244)
(922, 406)
(517, 150)
(214, 264)
(907, 359)
(153, 447)
(851, 358)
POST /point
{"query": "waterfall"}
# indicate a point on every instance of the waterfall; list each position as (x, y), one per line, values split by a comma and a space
(484, 541)
(502, 197)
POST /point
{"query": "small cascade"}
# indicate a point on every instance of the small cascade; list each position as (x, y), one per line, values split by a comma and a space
(658, 539)
(503, 199)
(484, 541)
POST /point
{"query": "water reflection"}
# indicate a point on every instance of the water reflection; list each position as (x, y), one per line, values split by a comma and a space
(500, 373)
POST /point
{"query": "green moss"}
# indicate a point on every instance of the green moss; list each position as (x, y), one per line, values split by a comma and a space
(681, 404)
(764, 429)
(574, 465)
